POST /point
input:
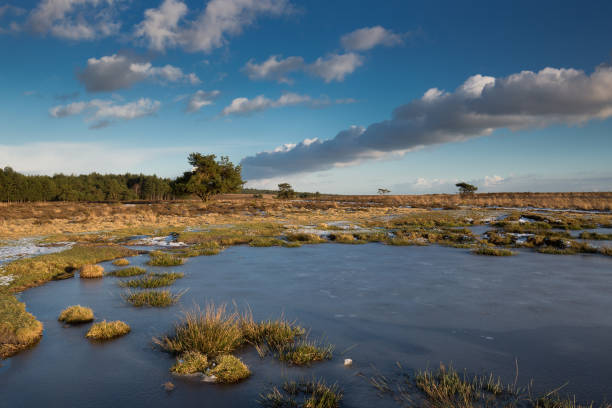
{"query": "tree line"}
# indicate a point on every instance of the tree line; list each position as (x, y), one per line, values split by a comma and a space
(207, 178)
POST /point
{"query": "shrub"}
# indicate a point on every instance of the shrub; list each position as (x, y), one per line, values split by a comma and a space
(76, 314)
(108, 330)
(190, 362)
(131, 271)
(121, 262)
(159, 258)
(229, 369)
(212, 332)
(91, 271)
(152, 298)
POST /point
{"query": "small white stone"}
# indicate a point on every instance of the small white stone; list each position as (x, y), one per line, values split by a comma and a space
(348, 362)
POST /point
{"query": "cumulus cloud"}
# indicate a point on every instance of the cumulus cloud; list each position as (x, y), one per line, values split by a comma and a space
(113, 72)
(477, 108)
(369, 37)
(104, 112)
(200, 99)
(274, 68)
(334, 67)
(165, 27)
(246, 106)
(75, 19)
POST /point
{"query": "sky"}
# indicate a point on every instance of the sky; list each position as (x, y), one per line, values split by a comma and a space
(336, 97)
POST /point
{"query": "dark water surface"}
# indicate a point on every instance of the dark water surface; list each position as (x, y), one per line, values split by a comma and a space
(416, 305)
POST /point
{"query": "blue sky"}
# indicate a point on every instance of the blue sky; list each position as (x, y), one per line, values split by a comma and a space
(127, 85)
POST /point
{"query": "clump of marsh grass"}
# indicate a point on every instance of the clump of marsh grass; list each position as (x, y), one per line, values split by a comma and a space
(91, 271)
(305, 352)
(152, 281)
(269, 334)
(152, 298)
(18, 328)
(304, 237)
(229, 369)
(107, 330)
(316, 394)
(126, 272)
(76, 314)
(266, 242)
(214, 331)
(594, 236)
(190, 362)
(488, 251)
(159, 258)
(121, 262)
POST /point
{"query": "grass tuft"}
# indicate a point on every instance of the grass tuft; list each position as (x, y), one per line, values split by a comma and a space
(488, 251)
(152, 298)
(305, 352)
(76, 314)
(212, 332)
(126, 272)
(19, 330)
(229, 369)
(153, 281)
(108, 330)
(121, 262)
(159, 258)
(91, 271)
(190, 362)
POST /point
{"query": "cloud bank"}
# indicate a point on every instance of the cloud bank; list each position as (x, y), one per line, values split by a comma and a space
(115, 72)
(164, 27)
(477, 108)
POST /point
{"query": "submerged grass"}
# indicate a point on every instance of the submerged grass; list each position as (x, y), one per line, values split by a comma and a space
(108, 330)
(313, 393)
(157, 280)
(152, 298)
(76, 314)
(126, 272)
(159, 258)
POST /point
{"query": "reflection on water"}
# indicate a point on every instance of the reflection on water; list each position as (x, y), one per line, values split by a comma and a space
(417, 305)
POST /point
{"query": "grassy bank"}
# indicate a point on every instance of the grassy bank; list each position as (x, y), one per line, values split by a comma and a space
(19, 330)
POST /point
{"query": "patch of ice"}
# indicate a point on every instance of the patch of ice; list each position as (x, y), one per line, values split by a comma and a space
(168, 241)
(6, 280)
(29, 247)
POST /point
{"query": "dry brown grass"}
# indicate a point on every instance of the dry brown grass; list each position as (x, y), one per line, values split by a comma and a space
(68, 221)
(108, 330)
(91, 272)
(76, 314)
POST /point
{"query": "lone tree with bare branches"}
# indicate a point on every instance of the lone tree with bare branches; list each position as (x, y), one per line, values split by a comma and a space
(210, 177)
(466, 188)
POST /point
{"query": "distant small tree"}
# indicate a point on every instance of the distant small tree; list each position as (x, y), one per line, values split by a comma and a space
(285, 191)
(465, 188)
(383, 191)
(209, 177)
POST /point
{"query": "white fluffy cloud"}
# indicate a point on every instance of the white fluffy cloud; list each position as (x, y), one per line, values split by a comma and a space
(104, 112)
(200, 99)
(334, 67)
(246, 106)
(478, 107)
(274, 68)
(369, 37)
(75, 19)
(164, 27)
(113, 72)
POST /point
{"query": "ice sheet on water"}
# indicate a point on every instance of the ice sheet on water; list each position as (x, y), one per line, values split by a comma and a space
(27, 248)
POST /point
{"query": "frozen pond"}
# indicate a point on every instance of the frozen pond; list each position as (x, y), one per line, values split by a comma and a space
(416, 305)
